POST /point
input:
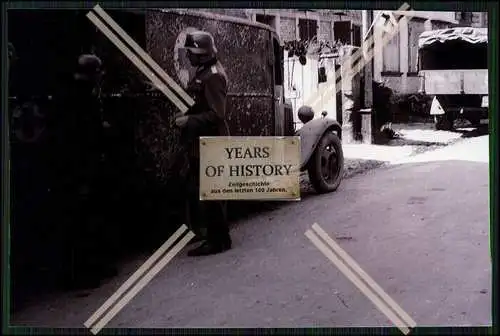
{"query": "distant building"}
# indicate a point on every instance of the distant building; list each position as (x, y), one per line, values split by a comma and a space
(396, 63)
(472, 19)
(295, 24)
(327, 26)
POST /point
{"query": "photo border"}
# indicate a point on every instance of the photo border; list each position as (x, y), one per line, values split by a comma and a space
(492, 9)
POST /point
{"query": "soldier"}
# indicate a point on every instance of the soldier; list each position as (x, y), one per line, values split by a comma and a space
(205, 118)
(79, 161)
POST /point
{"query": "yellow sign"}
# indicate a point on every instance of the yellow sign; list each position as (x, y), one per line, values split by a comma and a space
(249, 168)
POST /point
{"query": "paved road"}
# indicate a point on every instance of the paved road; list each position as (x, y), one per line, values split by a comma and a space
(419, 228)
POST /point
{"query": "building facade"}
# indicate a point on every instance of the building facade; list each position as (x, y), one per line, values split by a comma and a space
(294, 24)
(301, 82)
(396, 62)
(472, 19)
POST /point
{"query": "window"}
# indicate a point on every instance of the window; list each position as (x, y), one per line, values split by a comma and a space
(391, 54)
(356, 35)
(347, 33)
(269, 20)
(415, 27)
(307, 29)
(466, 17)
(463, 17)
(441, 25)
(342, 32)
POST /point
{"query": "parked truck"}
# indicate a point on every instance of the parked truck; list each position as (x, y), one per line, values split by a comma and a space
(252, 54)
(453, 65)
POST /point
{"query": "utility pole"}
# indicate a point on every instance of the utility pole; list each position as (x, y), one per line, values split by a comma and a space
(367, 113)
(367, 19)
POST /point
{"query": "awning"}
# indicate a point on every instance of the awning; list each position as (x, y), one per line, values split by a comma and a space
(467, 34)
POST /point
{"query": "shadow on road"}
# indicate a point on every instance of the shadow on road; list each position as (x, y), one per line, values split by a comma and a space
(474, 132)
(350, 206)
(426, 135)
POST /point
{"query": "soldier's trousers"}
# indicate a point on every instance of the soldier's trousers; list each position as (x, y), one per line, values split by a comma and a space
(208, 215)
(85, 240)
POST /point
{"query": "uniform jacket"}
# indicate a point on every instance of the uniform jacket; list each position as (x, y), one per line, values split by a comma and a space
(207, 116)
(78, 135)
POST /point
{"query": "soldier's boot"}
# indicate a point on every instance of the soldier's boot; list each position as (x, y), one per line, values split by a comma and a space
(211, 247)
(81, 282)
(88, 277)
(193, 221)
(218, 241)
(105, 271)
(218, 237)
(79, 276)
(88, 267)
(200, 235)
(196, 239)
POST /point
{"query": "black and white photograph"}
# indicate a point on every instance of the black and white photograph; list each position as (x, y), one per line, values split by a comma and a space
(248, 168)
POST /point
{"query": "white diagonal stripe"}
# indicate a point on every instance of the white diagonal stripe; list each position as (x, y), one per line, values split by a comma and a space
(142, 283)
(134, 277)
(363, 275)
(357, 282)
(137, 62)
(369, 49)
(366, 53)
(145, 57)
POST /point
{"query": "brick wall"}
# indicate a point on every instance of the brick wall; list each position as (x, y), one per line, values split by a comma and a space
(325, 31)
(331, 15)
(287, 29)
(354, 15)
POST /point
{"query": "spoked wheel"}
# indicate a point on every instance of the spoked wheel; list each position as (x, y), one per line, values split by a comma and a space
(326, 169)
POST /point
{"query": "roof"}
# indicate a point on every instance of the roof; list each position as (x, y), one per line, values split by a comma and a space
(218, 17)
(467, 34)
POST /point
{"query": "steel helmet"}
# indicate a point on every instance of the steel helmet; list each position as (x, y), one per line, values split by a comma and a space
(88, 66)
(200, 43)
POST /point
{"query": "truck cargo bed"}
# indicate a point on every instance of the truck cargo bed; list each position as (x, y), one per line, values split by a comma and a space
(439, 82)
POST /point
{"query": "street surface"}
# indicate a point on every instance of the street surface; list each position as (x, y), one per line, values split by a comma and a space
(419, 228)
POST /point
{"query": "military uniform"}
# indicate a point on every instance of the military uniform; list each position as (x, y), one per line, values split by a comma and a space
(206, 117)
(77, 187)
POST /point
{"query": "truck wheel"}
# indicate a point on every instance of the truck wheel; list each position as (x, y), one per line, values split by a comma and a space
(326, 168)
(443, 122)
